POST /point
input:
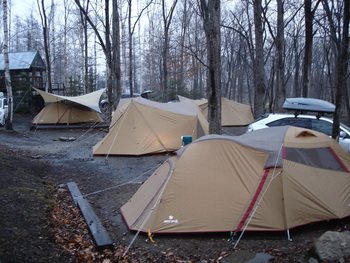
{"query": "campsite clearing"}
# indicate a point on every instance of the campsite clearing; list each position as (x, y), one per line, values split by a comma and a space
(108, 184)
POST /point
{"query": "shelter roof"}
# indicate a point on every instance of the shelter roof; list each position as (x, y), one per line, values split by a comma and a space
(90, 100)
(23, 60)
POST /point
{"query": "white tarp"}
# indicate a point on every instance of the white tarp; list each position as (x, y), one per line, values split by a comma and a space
(90, 100)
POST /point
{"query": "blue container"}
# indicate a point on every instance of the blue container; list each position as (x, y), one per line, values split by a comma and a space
(186, 139)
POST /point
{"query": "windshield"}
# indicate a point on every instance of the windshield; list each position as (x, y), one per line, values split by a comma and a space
(345, 127)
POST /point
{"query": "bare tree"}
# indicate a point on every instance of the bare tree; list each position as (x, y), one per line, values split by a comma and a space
(258, 63)
(341, 46)
(9, 125)
(167, 18)
(45, 26)
(210, 13)
(64, 73)
(280, 87)
(116, 76)
(131, 29)
(309, 34)
(84, 47)
(113, 64)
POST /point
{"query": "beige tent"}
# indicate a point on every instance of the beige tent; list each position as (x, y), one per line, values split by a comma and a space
(232, 113)
(66, 113)
(69, 110)
(269, 179)
(140, 126)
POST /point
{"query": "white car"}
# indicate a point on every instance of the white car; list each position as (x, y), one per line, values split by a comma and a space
(3, 109)
(321, 124)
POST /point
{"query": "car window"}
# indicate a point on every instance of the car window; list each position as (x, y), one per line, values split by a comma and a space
(281, 122)
(322, 126)
(298, 122)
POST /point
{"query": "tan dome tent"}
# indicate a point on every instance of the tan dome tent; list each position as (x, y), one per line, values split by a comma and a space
(232, 113)
(69, 110)
(140, 126)
(269, 179)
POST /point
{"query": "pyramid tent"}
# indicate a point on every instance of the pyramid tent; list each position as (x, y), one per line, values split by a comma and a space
(269, 179)
(140, 126)
(232, 113)
(69, 110)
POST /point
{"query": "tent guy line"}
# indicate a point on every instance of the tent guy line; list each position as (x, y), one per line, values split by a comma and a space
(256, 208)
(87, 135)
(119, 185)
(150, 212)
(262, 196)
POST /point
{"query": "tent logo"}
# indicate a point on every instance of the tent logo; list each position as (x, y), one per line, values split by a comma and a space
(171, 220)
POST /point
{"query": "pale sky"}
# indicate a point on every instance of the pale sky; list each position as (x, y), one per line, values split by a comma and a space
(22, 8)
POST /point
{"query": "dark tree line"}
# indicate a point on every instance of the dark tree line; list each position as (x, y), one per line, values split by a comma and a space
(254, 52)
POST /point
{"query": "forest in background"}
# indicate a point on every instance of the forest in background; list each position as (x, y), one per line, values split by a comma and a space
(269, 50)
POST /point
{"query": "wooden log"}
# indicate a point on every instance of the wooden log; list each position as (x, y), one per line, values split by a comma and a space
(97, 230)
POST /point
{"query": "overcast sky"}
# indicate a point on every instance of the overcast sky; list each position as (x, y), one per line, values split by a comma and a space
(22, 8)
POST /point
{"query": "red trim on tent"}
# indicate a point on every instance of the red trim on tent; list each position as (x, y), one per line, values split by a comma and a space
(252, 203)
(64, 113)
(338, 159)
(284, 152)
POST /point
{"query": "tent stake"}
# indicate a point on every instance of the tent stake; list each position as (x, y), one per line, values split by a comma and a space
(288, 235)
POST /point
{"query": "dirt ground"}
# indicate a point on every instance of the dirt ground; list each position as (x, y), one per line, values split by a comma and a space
(40, 223)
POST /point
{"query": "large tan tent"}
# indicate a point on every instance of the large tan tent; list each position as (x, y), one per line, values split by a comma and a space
(69, 110)
(66, 113)
(269, 179)
(232, 113)
(140, 126)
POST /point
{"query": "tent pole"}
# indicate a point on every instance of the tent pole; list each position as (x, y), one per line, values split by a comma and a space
(288, 235)
(149, 213)
(262, 196)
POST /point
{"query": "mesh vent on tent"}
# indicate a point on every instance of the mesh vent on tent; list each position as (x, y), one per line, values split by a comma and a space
(323, 158)
(304, 134)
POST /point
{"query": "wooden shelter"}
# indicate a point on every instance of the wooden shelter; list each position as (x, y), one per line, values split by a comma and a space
(27, 70)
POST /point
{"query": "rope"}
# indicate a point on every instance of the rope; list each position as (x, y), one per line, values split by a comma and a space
(21, 99)
(116, 186)
(262, 196)
(147, 217)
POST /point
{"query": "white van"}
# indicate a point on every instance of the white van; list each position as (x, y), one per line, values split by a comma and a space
(3, 109)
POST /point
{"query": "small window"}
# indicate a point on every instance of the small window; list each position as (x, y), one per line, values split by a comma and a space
(315, 157)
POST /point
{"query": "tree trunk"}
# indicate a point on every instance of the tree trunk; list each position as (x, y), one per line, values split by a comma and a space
(258, 73)
(342, 64)
(131, 66)
(167, 18)
(210, 12)
(307, 63)
(280, 87)
(116, 54)
(44, 23)
(9, 125)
